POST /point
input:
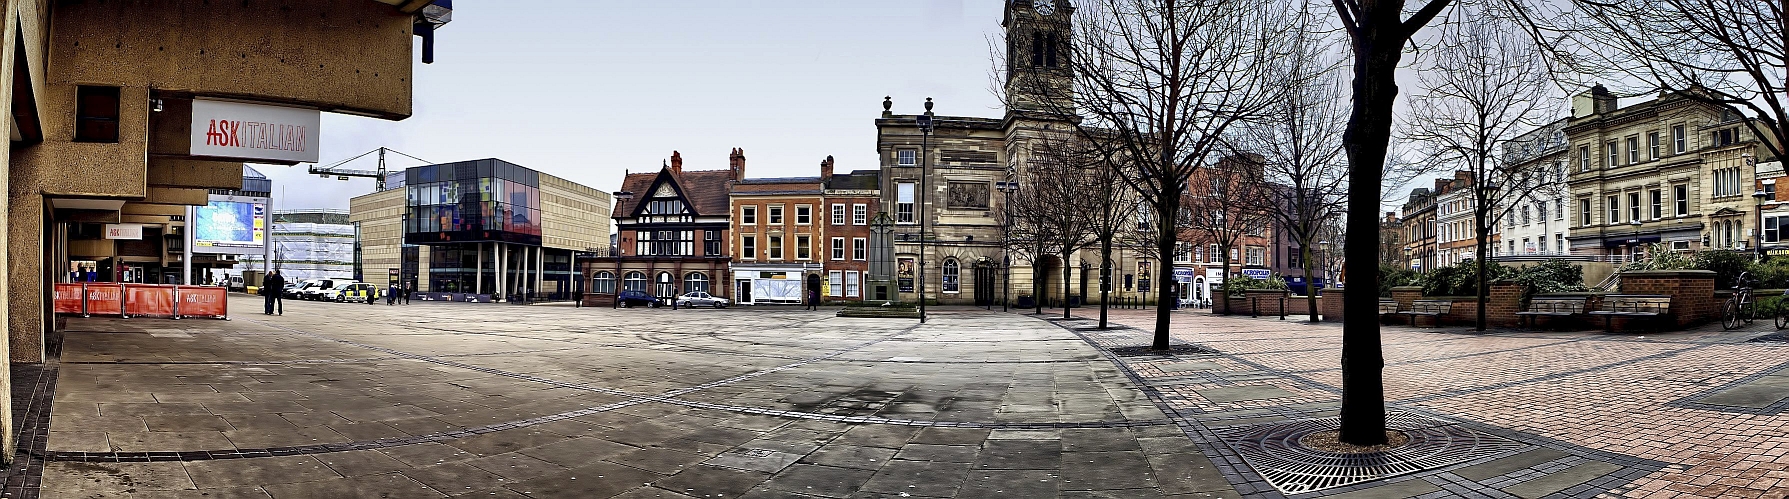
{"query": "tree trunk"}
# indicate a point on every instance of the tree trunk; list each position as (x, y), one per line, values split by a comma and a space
(1484, 263)
(1105, 277)
(1310, 280)
(1066, 281)
(1168, 206)
(1377, 50)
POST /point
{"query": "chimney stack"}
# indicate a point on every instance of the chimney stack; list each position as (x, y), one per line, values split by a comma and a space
(736, 163)
(676, 162)
(826, 169)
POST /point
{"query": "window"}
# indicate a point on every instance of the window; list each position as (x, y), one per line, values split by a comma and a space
(803, 247)
(904, 203)
(838, 248)
(1525, 218)
(603, 283)
(1292, 256)
(665, 287)
(860, 214)
(1633, 150)
(1652, 145)
(1559, 242)
(1678, 140)
(1658, 204)
(804, 214)
(1257, 255)
(1770, 191)
(851, 280)
(748, 215)
(907, 157)
(665, 242)
(1543, 242)
(711, 243)
(776, 214)
(950, 275)
(838, 214)
(1614, 153)
(1512, 246)
(1559, 209)
(835, 283)
(860, 249)
(1680, 245)
(1540, 211)
(1633, 207)
(1614, 210)
(1182, 253)
(695, 282)
(775, 250)
(1199, 254)
(635, 281)
(748, 247)
(96, 118)
(1583, 158)
(1682, 191)
(1771, 226)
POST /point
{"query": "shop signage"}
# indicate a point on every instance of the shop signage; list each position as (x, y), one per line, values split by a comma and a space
(124, 231)
(1257, 273)
(1184, 274)
(254, 131)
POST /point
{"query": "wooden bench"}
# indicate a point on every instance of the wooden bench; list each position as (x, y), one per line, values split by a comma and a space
(1432, 308)
(1553, 306)
(1633, 307)
(1388, 306)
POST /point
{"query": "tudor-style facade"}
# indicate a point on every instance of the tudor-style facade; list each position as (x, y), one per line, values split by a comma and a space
(673, 234)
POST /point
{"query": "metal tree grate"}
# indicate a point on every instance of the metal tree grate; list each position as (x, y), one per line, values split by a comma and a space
(1172, 350)
(1274, 451)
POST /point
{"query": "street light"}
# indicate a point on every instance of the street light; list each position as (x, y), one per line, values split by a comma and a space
(924, 121)
(1758, 240)
(1007, 187)
(622, 196)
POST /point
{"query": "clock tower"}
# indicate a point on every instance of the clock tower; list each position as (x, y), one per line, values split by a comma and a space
(1039, 78)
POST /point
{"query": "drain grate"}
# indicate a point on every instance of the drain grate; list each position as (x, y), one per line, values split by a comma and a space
(1172, 350)
(1274, 451)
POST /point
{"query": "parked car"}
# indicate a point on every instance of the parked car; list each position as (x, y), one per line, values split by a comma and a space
(292, 288)
(701, 299)
(315, 288)
(629, 298)
(347, 291)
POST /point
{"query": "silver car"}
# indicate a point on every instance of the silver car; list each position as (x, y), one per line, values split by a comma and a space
(699, 298)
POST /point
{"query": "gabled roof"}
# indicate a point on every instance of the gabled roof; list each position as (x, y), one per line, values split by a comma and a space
(704, 191)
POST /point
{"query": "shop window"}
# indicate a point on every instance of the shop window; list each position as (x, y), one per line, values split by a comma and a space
(635, 281)
(96, 114)
(695, 282)
(603, 283)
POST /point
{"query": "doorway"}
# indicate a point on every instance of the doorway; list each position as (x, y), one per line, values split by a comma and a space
(984, 285)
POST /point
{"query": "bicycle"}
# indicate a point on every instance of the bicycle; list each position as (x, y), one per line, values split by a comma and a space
(1740, 306)
(1783, 311)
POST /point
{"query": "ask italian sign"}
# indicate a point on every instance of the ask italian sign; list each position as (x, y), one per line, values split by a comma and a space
(240, 130)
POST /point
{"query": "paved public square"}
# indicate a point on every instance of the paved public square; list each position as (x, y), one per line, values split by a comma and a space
(497, 400)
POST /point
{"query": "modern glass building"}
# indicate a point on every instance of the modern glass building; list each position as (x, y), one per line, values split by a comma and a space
(484, 226)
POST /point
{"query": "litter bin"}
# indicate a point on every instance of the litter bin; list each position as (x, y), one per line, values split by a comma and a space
(1026, 302)
(1074, 301)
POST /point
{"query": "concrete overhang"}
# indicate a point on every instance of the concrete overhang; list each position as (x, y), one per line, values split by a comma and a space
(86, 204)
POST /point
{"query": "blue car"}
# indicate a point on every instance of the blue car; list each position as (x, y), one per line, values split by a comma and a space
(629, 298)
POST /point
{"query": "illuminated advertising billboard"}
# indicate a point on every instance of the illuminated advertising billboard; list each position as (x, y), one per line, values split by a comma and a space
(230, 224)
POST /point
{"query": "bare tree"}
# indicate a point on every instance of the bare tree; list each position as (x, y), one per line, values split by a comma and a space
(1223, 204)
(1731, 53)
(1053, 208)
(1378, 32)
(1483, 85)
(1300, 143)
(1158, 83)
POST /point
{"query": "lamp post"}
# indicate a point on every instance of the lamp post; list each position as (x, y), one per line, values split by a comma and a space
(924, 121)
(619, 281)
(1758, 241)
(1007, 187)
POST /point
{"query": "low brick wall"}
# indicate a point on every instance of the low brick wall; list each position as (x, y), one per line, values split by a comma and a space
(1331, 305)
(1693, 299)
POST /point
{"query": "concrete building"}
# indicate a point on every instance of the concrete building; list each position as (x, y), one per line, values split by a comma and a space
(1670, 170)
(1535, 219)
(673, 233)
(130, 112)
(481, 227)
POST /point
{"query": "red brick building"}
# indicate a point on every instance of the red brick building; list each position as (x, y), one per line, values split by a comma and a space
(851, 203)
(780, 244)
(673, 236)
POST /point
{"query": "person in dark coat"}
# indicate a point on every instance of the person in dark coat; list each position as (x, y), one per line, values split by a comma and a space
(271, 288)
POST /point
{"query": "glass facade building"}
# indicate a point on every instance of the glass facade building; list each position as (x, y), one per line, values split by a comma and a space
(487, 200)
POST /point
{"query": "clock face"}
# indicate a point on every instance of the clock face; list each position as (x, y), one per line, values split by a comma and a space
(1045, 7)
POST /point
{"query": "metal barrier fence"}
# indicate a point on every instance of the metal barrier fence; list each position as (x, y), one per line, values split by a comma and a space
(88, 299)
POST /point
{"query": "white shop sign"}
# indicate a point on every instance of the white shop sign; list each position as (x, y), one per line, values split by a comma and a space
(254, 131)
(124, 231)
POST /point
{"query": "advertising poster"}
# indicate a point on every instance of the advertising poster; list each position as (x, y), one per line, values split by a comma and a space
(904, 274)
(229, 224)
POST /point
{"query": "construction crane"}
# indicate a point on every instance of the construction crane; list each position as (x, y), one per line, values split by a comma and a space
(378, 176)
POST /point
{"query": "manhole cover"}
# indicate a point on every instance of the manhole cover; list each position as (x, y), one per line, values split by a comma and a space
(1771, 338)
(1273, 450)
(1172, 350)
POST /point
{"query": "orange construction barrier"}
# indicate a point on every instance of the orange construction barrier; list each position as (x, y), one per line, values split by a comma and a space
(203, 301)
(68, 298)
(149, 300)
(104, 298)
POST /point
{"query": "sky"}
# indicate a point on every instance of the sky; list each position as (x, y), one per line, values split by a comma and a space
(588, 90)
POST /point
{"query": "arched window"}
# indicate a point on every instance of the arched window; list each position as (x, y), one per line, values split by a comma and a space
(695, 281)
(603, 283)
(666, 286)
(950, 275)
(636, 281)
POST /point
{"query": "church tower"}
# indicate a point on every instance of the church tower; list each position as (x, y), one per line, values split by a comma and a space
(1039, 78)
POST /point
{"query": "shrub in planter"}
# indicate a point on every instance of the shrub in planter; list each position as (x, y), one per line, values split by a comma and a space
(1727, 265)
(1461, 279)
(1393, 276)
(1552, 276)
(1235, 285)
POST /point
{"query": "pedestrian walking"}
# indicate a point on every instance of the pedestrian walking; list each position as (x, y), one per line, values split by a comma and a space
(577, 299)
(406, 296)
(391, 295)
